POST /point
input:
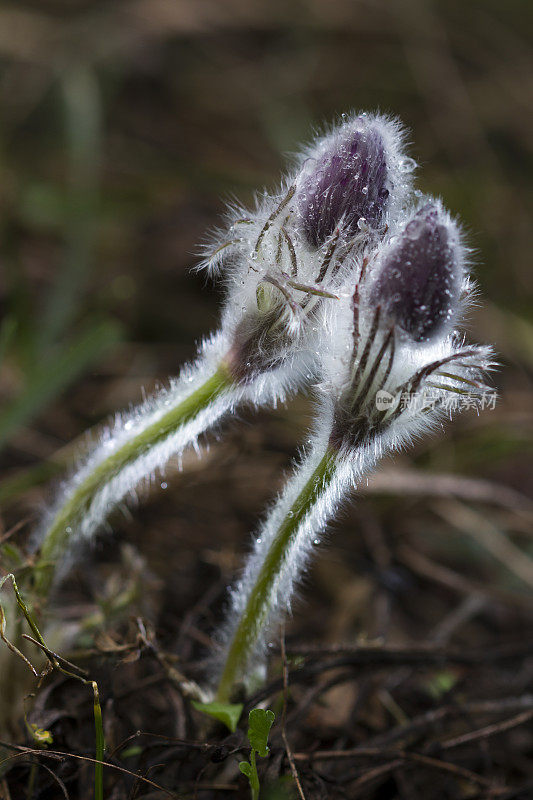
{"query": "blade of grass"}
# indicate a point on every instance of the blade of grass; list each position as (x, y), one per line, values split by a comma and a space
(20, 306)
(82, 105)
(12, 487)
(7, 330)
(55, 375)
(100, 746)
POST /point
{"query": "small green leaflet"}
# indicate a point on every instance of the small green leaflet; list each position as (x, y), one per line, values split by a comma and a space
(246, 769)
(259, 724)
(227, 713)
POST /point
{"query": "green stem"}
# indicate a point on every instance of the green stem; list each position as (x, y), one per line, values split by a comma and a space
(58, 533)
(254, 777)
(257, 608)
(100, 746)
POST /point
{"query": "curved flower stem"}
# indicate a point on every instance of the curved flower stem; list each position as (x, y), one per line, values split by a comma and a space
(257, 610)
(78, 501)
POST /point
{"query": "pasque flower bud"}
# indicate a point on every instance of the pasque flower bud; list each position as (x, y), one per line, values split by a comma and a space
(397, 325)
(291, 254)
(347, 179)
(417, 283)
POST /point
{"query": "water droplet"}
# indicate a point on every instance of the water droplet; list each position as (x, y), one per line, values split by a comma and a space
(316, 541)
(259, 540)
(128, 425)
(407, 165)
(164, 485)
(68, 529)
(415, 228)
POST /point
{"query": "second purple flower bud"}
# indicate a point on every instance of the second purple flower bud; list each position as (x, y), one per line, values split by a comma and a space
(418, 280)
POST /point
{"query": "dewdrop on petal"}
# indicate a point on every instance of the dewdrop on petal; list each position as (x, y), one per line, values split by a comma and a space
(419, 281)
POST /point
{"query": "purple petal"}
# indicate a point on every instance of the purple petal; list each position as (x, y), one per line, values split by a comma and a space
(418, 282)
(346, 183)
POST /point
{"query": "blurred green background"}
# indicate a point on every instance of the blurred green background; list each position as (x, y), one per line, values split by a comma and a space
(127, 125)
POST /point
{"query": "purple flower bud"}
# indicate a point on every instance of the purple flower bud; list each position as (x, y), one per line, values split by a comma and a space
(418, 282)
(346, 180)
